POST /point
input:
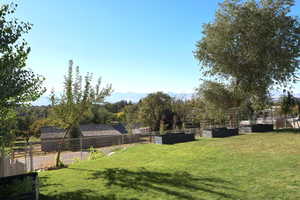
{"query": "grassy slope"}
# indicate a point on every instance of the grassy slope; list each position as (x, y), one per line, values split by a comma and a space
(259, 166)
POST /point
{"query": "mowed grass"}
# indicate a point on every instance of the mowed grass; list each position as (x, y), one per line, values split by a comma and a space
(259, 166)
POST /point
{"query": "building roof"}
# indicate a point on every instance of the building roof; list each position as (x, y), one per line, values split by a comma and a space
(87, 130)
(121, 128)
(51, 132)
(98, 129)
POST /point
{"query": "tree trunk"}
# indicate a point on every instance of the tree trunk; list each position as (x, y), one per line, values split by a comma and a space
(58, 162)
(298, 117)
(174, 122)
(285, 122)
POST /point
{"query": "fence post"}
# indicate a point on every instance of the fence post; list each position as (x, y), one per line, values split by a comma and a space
(12, 154)
(31, 157)
(25, 159)
(2, 172)
(80, 147)
(37, 189)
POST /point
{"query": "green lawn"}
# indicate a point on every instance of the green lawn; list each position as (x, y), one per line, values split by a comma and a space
(259, 166)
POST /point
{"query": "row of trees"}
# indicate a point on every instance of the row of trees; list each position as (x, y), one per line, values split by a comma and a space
(157, 111)
(251, 47)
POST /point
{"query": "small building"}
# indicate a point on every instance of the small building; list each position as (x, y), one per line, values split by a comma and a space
(93, 135)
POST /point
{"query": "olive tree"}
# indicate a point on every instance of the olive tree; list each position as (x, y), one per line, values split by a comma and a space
(254, 44)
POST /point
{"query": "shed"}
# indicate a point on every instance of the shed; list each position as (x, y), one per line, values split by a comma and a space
(93, 135)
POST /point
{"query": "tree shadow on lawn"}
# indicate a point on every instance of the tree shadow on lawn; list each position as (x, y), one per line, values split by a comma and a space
(82, 195)
(43, 182)
(288, 130)
(177, 184)
(74, 195)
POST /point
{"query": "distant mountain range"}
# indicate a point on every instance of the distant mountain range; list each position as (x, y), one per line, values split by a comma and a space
(135, 97)
(118, 96)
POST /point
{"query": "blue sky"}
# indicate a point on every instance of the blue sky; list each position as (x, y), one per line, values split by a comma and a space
(137, 45)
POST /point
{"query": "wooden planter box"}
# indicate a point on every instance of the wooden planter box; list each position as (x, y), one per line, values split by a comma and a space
(26, 186)
(173, 138)
(257, 128)
(220, 132)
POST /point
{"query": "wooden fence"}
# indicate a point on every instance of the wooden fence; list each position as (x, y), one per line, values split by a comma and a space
(10, 167)
(42, 155)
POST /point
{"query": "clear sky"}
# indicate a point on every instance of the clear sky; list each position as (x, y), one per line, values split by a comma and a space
(137, 45)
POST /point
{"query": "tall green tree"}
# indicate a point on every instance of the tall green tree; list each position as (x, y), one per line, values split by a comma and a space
(130, 117)
(182, 109)
(26, 118)
(78, 97)
(98, 114)
(217, 99)
(219, 95)
(287, 102)
(117, 106)
(154, 108)
(254, 44)
(18, 84)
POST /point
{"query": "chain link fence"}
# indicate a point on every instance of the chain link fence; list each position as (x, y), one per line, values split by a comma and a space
(34, 156)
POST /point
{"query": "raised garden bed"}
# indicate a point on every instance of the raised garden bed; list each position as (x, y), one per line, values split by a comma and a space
(173, 138)
(220, 132)
(257, 128)
(23, 187)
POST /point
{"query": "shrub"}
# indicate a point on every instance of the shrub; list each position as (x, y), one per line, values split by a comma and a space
(95, 154)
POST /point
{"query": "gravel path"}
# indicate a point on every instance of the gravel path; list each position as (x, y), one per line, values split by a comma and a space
(48, 160)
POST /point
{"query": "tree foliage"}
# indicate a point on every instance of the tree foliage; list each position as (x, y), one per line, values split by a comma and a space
(216, 99)
(182, 111)
(98, 114)
(28, 120)
(17, 84)
(154, 108)
(159, 110)
(130, 116)
(219, 95)
(254, 44)
(69, 109)
(117, 106)
(287, 102)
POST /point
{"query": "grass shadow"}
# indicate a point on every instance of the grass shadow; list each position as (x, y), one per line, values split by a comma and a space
(288, 130)
(44, 183)
(82, 195)
(178, 184)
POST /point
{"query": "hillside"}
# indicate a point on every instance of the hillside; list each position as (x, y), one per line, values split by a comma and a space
(257, 166)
